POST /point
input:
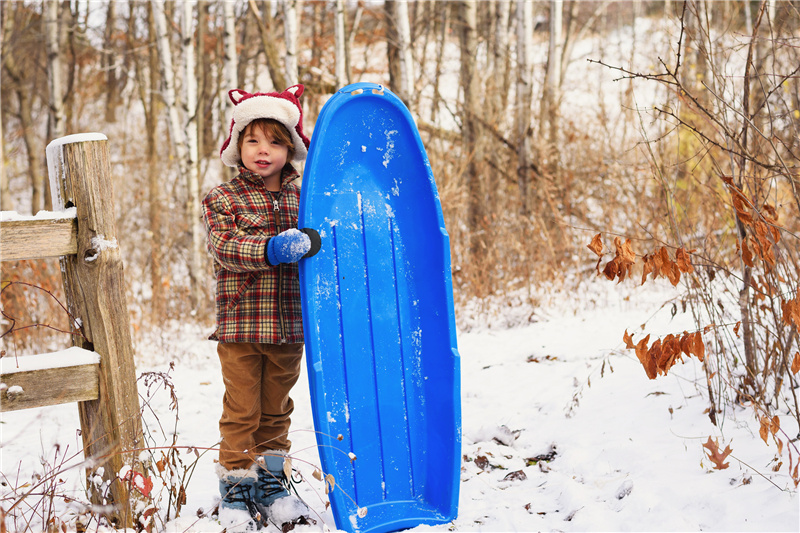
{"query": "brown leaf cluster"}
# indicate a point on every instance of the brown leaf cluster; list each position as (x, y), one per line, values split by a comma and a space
(790, 311)
(769, 426)
(763, 230)
(659, 263)
(796, 363)
(715, 455)
(662, 355)
(624, 258)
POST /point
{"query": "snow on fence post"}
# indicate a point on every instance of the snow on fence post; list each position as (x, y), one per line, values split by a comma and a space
(95, 292)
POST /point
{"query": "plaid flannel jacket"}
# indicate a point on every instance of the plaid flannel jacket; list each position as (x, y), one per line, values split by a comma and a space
(255, 302)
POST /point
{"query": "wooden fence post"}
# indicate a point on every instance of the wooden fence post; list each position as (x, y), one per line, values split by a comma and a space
(95, 292)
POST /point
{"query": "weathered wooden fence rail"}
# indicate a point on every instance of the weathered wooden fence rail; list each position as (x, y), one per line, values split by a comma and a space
(85, 239)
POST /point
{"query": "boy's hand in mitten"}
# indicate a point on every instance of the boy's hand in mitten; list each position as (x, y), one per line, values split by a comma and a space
(316, 241)
(287, 247)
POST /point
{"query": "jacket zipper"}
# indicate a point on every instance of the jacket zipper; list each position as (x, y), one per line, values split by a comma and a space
(276, 208)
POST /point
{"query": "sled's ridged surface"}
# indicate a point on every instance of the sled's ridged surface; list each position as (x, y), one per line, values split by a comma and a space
(378, 317)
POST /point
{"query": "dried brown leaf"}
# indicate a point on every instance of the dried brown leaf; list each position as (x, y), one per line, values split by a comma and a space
(625, 250)
(715, 455)
(747, 254)
(610, 271)
(628, 338)
(684, 261)
(673, 274)
(647, 267)
(769, 426)
(596, 245)
(330, 483)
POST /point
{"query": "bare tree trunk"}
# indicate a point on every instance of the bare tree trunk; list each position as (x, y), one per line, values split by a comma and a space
(291, 10)
(341, 45)
(748, 336)
(110, 65)
(523, 101)
(196, 228)
(468, 15)
(268, 43)
(202, 77)
(55, 69)
(149, 93)
(350, 39)
(32, 149)
(502, 55)
(186, 161)
(24, 113)
(245, 55)
(392, 48)
(695, 68)
(552, 84)
(405, 51)
(231, 60)
(228, 77)
(440, 48)
(5, 193)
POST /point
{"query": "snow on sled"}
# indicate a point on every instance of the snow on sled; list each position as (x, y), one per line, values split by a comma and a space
(384, 369)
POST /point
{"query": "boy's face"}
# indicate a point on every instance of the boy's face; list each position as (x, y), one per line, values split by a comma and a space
(263, 155)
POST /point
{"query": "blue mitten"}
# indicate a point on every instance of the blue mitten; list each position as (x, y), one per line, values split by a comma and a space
(287, 247)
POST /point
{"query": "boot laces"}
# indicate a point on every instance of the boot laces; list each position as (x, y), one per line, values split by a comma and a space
(272, 483)
(238, 493)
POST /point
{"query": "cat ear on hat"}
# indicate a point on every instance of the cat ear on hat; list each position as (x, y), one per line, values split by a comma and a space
(237, 95)
(296, 90)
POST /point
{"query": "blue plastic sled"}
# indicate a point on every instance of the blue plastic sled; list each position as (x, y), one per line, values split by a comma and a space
(384, 369)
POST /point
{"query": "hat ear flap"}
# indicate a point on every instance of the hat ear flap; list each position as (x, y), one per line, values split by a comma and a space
(296, 90)
(237, 95)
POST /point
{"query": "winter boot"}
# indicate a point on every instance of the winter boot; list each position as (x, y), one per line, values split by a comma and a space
(237, 507)
(283, 509)
(272, 483)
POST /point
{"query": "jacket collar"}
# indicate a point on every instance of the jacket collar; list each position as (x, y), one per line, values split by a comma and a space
(289, 175)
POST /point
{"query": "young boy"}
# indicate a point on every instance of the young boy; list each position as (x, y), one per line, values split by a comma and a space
(254, 241)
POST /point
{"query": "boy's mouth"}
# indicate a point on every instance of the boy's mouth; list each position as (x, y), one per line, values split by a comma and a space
(262, 163)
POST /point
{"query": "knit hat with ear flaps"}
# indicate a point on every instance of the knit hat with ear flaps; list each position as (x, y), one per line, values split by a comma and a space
(283, 107)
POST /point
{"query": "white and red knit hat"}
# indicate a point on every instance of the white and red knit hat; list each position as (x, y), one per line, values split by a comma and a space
(283, 107)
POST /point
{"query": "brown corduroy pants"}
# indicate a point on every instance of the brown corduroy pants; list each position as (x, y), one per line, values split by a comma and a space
(256, 406)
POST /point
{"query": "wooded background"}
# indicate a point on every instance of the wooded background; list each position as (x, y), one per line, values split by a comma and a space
(670, 123)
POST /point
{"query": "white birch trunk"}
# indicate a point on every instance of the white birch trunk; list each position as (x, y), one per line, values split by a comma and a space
(5, 198)
(192, 155)
(231, 60)
(406, 53)
(501, 56)
(472, 147)
(553, 77)
(341, 48)
(290, 9)
(523, 98)
(55, 69)
(352, 37)
(229, 73)
(176, 132)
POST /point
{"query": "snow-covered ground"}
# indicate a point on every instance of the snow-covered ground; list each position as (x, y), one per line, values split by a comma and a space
(625, 453)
